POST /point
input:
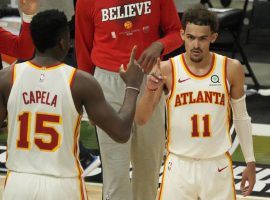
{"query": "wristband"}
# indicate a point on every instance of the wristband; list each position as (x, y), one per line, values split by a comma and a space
(133, 88)
(152, 90)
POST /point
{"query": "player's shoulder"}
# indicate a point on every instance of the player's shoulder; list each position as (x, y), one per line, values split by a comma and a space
(166, 67)
(235, 70)
(6, 73)
(234, 65)
(84, 80)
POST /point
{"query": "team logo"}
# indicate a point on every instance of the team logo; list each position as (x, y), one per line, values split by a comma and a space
(215, 79)
(128, 25)
(182, 80)
(221, 169)
(41, 78)
(170, 166)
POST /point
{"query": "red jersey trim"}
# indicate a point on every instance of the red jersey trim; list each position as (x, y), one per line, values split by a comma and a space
(211, 69)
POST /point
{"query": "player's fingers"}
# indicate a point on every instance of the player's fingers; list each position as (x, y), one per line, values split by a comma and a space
(145, 62)
(133, 54)
(250, 186)
(246, 191)
(164, 78)
(157, 75)
(141, 58)
(154, 79)
(151, 64)
(158, 64)
(122, 72)
(121, 69)
(243, 183)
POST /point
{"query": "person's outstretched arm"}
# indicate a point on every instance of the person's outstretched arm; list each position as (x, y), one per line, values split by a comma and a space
(88, 93)
(20, 46)
(157, 82)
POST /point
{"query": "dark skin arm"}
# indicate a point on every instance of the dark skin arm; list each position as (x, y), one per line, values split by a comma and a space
(87, 92)
(5, 87)
(149, 56)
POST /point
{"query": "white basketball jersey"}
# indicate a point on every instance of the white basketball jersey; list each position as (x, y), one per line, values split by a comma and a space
(43, 123)
(198, 110)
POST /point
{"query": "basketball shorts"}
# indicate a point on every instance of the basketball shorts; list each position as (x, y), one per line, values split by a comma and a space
(193, 179)
(26, 186)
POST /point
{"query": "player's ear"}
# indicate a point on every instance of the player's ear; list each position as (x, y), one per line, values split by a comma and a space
(214, 37)
(61, 43)
(182, 34)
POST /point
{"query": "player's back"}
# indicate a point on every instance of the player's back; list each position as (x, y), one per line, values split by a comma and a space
(43, 123)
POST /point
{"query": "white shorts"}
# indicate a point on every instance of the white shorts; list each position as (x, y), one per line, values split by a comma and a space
(193, 179)
(25, 186)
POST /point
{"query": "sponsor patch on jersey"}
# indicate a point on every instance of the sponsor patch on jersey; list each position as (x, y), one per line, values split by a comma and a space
(215, 80)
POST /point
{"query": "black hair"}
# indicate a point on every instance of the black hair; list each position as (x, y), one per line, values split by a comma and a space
(47, 28)
(199, 15)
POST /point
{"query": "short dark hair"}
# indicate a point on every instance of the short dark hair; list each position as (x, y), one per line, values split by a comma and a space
(201, 16)
(47, 28)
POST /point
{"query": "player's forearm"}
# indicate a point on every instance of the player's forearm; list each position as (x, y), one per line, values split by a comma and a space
(126, 113)
(242, 124)
(146, 106)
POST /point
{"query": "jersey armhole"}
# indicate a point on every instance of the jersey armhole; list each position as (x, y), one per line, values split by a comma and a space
(170, 93)
(13, 76)
(225, 74)
(72, 76)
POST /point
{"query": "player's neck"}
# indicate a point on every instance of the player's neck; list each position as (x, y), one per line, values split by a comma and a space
(45, 60)
(201, 67)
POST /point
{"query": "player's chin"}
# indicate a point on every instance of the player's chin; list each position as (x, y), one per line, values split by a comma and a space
(196, 58)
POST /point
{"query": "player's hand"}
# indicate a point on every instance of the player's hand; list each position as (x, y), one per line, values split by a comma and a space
(249, 175)
(133, 75)
(29, 7)
(155, 79)
(149, 56)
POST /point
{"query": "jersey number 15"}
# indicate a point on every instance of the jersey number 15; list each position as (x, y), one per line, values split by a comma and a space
(51, 138)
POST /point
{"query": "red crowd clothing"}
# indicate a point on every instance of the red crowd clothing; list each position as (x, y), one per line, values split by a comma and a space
(17, 46)
(106, 30)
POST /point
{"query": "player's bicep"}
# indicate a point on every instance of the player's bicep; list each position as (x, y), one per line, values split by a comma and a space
(3, 110)
(237, 79)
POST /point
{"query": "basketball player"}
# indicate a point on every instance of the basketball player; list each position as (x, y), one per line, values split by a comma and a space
(43, 99)
(201, 86)
(20, 46)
